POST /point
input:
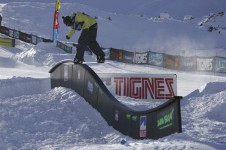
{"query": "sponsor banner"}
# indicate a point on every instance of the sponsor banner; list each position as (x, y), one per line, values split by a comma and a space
(155, 59)
(143, 126)
(128, 57)
(171, 62)
(4, 30)
(205, 64)
(107, 53)
(188, 63)
(34, 39)
(11, 33)
(165, 119)
(25, 37)
(39, 39)
(141, 86)
(116, 54)
(141, 58)
(7, 42)
(16, 34)
(22, 36)
(63, 46)
(220, 64)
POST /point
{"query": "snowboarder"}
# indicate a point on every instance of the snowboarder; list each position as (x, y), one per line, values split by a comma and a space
(88, 25)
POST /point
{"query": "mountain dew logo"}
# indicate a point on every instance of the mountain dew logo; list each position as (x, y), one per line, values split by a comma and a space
(165, 121)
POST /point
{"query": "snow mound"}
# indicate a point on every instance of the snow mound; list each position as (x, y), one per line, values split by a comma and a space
(203, 113)
(18, 86)
(56, 116)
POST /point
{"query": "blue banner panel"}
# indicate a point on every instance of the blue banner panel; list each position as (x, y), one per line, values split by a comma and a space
(220, 64)
(107, 53)
(155, 59)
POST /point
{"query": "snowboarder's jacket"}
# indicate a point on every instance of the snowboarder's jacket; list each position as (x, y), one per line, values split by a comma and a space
(81, 21)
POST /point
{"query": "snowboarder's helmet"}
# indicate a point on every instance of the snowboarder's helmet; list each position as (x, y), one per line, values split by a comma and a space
(67, 20)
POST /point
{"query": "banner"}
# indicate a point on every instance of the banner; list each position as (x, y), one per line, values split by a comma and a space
(141, 86)
(187, 63)
(220, 64)
(63, 46)
(141, 58)
(7, 42)
(171, 62)
(205, 63)
(55, 21)
(155, 59)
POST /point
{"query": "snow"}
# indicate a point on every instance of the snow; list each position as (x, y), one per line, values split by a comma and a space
(34, 116)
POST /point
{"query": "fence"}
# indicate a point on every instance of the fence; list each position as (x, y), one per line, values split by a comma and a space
(28, 38)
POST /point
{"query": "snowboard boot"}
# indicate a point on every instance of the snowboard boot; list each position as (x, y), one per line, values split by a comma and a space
(100, 59)
(78, 61)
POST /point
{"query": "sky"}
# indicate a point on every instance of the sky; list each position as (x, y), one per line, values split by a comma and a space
(34, 116)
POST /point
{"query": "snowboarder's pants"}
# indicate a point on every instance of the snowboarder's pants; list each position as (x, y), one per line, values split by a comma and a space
(88, 38)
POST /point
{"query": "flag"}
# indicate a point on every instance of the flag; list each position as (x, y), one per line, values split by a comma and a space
(58, 5)
(55, 21)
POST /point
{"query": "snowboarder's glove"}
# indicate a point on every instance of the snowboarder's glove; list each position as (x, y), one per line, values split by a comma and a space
(67, 37)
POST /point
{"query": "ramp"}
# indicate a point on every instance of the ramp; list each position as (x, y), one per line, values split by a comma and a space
(149, 124)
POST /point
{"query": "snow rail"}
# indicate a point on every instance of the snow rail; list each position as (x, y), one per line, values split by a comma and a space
(149, 124)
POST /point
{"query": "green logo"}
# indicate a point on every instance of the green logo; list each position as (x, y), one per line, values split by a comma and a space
(128, 116)
(165, 121)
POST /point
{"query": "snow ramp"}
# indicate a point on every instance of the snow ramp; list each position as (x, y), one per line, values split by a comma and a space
(149, 124)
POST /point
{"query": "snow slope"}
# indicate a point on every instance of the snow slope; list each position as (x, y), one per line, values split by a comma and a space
(34, 116)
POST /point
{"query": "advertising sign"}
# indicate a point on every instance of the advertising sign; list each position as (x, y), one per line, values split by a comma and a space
(220, 64)
(116, 54)
(205, 64)
(7, 42)
(128, 57)
(171, 62)
(141, 58)
(165, 119)
(188, 63)
(143, 126)
(141, 86)
(155, 59)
